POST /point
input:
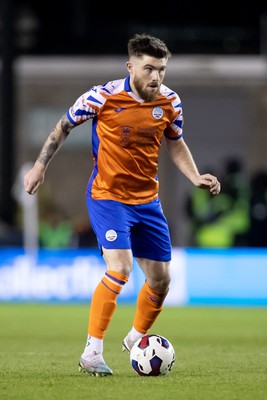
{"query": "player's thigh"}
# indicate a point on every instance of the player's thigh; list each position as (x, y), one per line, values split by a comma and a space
(151, 237)
(118, 260)
(110, 224)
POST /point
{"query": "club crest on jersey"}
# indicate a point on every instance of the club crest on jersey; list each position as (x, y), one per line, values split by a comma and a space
(126, 133)
(111, 235)
(157, 112)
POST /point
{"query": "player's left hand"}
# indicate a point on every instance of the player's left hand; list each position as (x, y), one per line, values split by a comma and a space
(208, 181)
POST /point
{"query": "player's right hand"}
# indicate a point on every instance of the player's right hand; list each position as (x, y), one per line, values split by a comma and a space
(33, 179)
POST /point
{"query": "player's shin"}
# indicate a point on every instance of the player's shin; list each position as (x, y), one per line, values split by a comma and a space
(104, 303)
(149, 306)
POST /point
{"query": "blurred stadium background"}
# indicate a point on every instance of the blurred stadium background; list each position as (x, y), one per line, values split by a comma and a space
(53, 53)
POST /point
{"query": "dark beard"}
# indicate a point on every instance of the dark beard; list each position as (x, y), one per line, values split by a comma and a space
(143, 94)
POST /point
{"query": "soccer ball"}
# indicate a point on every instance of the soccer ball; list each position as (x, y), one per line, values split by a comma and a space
(152, 355)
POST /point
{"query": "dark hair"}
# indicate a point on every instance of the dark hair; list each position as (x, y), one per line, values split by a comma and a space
(141, 44)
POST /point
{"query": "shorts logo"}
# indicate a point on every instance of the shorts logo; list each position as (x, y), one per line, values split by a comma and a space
(111, 235)
(157, 112)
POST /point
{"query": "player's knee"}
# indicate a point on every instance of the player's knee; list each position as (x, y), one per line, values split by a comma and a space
(119, 260)
(160, 284)
(124, 269)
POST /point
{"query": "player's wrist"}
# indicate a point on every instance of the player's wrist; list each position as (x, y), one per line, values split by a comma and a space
(40, 166)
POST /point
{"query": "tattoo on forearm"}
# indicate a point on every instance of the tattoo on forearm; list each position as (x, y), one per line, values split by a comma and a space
(66, 126)
(49, 149)
(54, 140)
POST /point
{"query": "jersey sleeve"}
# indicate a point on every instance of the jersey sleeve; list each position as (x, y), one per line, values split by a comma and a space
(86, 107)
(175, 129)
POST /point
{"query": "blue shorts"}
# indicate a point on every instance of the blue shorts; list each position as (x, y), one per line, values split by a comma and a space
(142, 228)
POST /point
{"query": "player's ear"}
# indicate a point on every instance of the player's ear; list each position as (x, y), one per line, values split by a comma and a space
(129, 65)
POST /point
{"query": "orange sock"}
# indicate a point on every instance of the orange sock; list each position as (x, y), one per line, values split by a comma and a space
(149, 305)
(104, 302)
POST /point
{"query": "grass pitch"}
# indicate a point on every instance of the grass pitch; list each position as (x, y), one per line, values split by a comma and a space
(221, 353)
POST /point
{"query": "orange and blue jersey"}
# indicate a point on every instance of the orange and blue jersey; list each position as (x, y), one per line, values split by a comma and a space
(126, 139)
